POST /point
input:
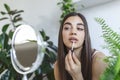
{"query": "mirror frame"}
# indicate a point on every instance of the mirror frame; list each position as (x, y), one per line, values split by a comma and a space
(39, 58)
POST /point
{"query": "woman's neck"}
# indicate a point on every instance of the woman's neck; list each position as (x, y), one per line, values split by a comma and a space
(77, 52)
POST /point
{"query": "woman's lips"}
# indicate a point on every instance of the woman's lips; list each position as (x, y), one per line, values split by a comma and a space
(73, 39)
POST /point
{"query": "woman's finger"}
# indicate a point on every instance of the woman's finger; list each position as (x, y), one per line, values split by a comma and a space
(75, 59)
(67, 66)
(70, 59)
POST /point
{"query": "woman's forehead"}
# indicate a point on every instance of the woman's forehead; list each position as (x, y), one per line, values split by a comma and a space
(75, 19)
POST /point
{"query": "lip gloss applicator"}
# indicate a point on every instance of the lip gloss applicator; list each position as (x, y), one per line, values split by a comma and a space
(72, 46)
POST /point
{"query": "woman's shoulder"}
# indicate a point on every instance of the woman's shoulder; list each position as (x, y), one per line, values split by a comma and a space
(98, 58)
(98, 64)
(98, 54)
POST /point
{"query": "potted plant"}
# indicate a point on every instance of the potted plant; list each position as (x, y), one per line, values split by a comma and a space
(7, 72)
(112, 40)
(13, 17)
(66, 7)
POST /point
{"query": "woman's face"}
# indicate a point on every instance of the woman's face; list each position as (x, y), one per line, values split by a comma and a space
(73, 31)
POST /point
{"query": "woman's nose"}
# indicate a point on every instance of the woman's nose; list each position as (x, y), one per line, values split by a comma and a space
(73, 32)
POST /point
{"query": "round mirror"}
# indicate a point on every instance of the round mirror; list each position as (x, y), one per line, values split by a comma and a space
(27, 50)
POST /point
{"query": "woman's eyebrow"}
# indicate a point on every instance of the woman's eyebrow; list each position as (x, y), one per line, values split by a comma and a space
(71, 24)
(67, 23)
(80, 24)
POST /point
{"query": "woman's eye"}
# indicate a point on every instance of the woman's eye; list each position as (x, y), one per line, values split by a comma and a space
(66, 28)
(80, 29)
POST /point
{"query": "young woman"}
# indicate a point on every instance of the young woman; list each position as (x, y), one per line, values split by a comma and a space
(76, 59)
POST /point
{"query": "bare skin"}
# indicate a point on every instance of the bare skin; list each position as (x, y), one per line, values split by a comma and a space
(73, 31)
(98, 67)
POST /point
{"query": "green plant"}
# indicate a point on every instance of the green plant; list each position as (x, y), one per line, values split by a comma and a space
(112, 40)
(13, 18)
(46, 69)
(67, 6)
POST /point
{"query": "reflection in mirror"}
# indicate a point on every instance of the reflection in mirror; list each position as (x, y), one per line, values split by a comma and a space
(25, 44)
(27, 50)
(24, 51)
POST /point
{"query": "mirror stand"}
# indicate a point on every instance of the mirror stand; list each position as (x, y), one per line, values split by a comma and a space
(25, 77)
(27, 50)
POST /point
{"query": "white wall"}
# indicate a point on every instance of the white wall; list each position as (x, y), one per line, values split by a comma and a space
(42, 14)
(111, 13)
(46, 14)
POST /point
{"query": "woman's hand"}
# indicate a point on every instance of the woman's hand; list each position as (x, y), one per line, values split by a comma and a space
(73, 66)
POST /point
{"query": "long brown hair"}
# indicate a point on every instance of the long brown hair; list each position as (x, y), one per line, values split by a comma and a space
(86, 56)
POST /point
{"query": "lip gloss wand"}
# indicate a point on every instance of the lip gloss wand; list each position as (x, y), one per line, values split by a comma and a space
(72, 49)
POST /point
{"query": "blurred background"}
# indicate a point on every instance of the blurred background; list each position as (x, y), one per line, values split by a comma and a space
(45, 14)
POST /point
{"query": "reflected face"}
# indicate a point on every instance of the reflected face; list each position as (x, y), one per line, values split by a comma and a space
(73, 31)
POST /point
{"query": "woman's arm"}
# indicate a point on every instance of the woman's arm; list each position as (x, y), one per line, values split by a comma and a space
(56, 71)
(98, 65)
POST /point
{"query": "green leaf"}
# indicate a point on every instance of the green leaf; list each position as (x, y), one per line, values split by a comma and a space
(17, 19)
(0, 46)
(51, 75)
(50, 43)
(44, 36)
(20, 11)
(18, 15)
(4, 59)
(6, 39)
(66, 6)
(10, 34)
(3, 18)
(7, 8)
(12, 12)
(5, 27)
(45, 67)
(117, 77)
(59, 3)
(2, 40)
(110, 37)
(17, 25)
(3, 13)
(117, 66)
